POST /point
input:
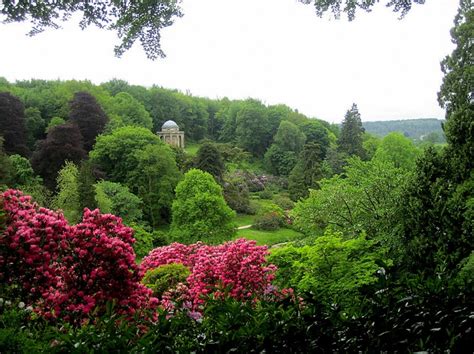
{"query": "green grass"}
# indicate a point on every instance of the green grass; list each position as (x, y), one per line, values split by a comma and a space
(244, 219)
(270, 238)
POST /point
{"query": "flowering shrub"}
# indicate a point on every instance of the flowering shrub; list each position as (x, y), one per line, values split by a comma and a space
(31, 244)
(234, 269)
(70, 270)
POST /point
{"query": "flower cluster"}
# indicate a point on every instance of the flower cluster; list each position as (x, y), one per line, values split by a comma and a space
(236, 269)
(70, 270)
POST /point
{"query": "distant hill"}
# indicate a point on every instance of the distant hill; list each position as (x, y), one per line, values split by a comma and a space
(416, 129)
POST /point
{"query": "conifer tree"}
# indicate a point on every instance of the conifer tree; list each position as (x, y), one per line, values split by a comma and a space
(350, 140)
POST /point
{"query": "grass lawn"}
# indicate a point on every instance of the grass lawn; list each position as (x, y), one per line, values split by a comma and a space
(269, 238)
(244, 219)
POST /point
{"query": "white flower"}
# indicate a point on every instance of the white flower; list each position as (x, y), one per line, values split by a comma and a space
(21, 305)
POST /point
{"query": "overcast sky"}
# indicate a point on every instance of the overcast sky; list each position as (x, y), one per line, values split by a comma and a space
(278, 51)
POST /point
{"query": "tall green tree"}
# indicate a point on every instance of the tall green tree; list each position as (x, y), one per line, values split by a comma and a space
(209, 159)
(350, 139)
(89, 116)
(200, 212)
(307, 171)
(86, 180)
(282, 155)
(154, 181)
(67, 198)
(252, 129)
(457, 91)
(438, 207)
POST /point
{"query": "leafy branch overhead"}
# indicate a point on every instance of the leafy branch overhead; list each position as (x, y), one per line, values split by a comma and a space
(132, 20)
(143, 20)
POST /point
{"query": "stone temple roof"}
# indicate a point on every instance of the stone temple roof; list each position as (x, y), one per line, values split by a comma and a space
(169, 124)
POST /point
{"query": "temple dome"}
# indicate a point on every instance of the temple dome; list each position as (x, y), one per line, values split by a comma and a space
(169, 124)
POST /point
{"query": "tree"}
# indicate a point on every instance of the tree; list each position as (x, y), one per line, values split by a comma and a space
(130, 110)
(89, 117)
(114, 198)
(144, 20)
(63, 143)
(252, 130)
(199, 211)
(86, 180)
(13, 125)
(132, 20)
(55, 121)
(307, 171)
(350, 6)
(365, 199)
(67, 199)
(154, 181)
(282, 155)
(350, 140)
(35, 126)
(115, 154)
(456, 94)
(398, 150)
(209, 159)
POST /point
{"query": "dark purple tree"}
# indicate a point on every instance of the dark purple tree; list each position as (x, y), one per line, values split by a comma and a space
(63, 143)
(12, 125)
(89, 117)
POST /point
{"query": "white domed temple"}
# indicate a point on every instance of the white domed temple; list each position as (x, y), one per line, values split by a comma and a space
(171, 134)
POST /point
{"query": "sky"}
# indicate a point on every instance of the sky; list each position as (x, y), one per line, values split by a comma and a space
(277, 51)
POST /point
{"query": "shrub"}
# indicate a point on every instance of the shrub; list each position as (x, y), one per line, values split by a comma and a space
(265, 194)
(236, 269)
(284, 202)
(165, 277)
(269, 221)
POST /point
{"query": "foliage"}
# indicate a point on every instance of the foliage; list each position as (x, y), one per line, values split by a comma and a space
(165, 277)
(143, 240)
(55, 121)
(199, 210)
(86, 112)
(86, 180)
(282, 155)
(251, 129)
(365, 199)
(114, 198)
(456, 94)
(64, 142)
(132, 21)
(268, 221)
(130, 111)
(236, 194)
(270, 238)
(437, 224)
(332, 269)
(68, 199)
(35, 126)
(209, 159)
(350, 140)
(115, 153)
(307, 171)
(398, 150)
(13, 125)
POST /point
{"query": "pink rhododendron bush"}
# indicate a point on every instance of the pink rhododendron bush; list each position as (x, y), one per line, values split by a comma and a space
(67, 271)
(72, 272)
(234, 269)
